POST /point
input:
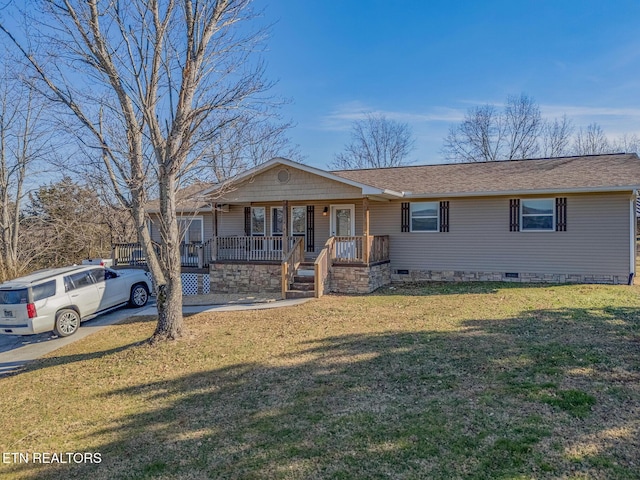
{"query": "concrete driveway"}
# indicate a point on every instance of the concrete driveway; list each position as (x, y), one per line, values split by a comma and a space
(16, 351)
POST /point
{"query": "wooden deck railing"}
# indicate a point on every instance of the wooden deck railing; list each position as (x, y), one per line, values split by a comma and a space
(251, 248)
(321, 267)
(351, 249)
(132, 254)
(290, 264)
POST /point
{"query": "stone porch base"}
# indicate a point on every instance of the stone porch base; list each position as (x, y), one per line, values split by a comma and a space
(243, 278)
(359, 278)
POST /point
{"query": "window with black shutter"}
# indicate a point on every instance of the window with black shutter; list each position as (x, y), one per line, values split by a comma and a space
(310, 229)
(514, 215)
(404, 217)
(561, 214)
(247, 221)
(444, 216)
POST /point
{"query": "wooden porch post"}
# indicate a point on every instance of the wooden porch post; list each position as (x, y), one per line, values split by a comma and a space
(365, 230)
(285, 226)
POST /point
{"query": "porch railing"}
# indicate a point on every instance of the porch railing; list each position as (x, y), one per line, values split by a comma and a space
(321, 267)
(132, 254)
(349, 250)
(251, 248)
(352, 249)
(290, 263)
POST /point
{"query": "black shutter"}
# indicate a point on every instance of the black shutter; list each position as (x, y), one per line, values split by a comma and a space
(444, 216)
(247, 221)
(514, 224)
(310, 229)
(404, 220)
(561, 214)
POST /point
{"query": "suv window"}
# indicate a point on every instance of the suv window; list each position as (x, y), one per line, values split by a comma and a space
(13, 297)
(44, 290)
(98, 274)
(77, 280)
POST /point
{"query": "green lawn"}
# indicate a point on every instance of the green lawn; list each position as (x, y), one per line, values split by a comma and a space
(478, 381)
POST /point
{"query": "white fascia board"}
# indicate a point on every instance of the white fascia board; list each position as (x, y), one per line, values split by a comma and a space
(548, 191)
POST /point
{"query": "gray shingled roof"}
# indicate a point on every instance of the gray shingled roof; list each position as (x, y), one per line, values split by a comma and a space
(566, 173)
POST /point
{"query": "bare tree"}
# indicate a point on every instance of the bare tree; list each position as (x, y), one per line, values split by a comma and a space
(556, 137)
(246, 142)
(479, 138)
(167, 74)
(591, 141)
(376, 142)
(488, 134)
(523, 125)
(627, 143)
(23, 141)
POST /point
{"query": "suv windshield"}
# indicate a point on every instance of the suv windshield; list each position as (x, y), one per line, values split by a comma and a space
(13, 297)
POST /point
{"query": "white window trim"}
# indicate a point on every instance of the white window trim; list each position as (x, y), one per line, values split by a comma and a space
(264, 224)
(437, 230)
(553, 216)
(274, 234)
(190, 219)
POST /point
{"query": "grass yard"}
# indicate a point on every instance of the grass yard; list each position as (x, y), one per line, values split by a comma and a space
(478, 381)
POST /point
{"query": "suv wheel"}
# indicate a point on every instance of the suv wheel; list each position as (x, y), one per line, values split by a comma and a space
(139, 296)
(67, 322)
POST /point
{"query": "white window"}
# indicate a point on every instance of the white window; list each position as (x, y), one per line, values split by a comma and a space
(277, 227)
(190, 229)
(298, 220)
(537, 215)
(257, 221)
(425, 216)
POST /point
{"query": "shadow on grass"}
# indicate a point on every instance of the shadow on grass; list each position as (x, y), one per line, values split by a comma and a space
(486, 402)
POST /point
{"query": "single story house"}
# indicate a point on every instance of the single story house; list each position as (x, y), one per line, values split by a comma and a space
(288, 227)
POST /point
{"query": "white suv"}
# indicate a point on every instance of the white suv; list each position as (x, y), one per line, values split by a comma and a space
(59, 299)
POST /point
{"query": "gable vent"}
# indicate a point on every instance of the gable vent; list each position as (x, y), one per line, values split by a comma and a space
(284, 176)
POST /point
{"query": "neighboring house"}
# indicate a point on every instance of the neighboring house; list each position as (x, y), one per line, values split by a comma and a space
(569, 219)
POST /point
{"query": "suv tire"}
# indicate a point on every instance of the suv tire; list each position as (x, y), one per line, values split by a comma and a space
(139, 296)
(67, 322)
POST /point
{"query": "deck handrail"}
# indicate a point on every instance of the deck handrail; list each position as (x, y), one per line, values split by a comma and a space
(251, 248)
(290, 263)
(350, 249)
(321, 267)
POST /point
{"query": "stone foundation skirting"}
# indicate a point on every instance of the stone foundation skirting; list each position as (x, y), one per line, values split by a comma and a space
(468, 276)
(359, 278)
(245, 278)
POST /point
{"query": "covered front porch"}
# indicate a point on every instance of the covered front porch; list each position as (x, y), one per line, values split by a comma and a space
(253, 264)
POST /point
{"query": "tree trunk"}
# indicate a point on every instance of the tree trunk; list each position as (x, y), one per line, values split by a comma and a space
(169, 300)
(170, 294)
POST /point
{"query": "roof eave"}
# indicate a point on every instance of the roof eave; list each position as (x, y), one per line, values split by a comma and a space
(545, 191)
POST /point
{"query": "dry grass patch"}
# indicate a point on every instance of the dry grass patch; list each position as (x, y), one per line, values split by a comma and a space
(424, 381)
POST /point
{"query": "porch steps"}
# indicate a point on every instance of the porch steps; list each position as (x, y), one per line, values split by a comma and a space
(303, 285)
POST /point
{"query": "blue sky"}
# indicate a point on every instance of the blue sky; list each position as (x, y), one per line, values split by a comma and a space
(426, 62)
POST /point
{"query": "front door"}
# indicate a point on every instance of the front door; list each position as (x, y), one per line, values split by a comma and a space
(343, 225)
